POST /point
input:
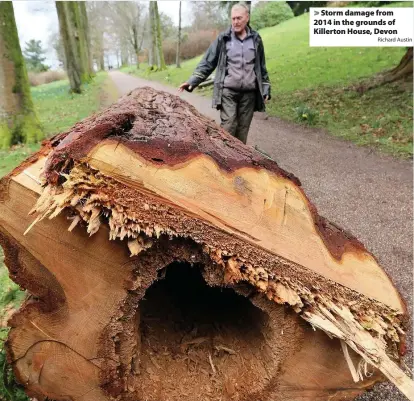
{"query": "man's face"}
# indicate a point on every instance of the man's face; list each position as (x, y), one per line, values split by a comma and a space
(239, 19)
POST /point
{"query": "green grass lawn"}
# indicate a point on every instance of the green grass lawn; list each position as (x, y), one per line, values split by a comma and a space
(318, 79)
(57, 111)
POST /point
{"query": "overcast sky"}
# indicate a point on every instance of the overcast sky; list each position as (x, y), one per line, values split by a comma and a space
(38, 20)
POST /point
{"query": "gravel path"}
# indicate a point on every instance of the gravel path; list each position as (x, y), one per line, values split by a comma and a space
(366, 193)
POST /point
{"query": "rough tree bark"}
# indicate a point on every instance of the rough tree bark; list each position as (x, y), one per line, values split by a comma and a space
(96, 26)
(403, 70)
(156, 54)
(138, 210)
(138, 34)
(102, 58)
(135, 43)
(78, 23)
(83, 17)
(72, 32)
(178, 56)
(152, 47)
(18, 121)
(160, 52)
(72, 62)
(124, 54)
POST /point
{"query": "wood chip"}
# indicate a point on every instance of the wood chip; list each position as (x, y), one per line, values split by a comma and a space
(211, 363)
(74, 223)
(354, 373)
(226, 349)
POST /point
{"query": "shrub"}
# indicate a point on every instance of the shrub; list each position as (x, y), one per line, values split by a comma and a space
(9, 389)
(338, 4)
(193, 44)
(371, 3)
(169, 47)
(301, 7)
(305, 114)
(358, 3)
(270, 13)
(40, 78)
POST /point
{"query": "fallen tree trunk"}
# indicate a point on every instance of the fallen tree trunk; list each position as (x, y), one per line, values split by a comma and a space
(207, 82)
(187, 270)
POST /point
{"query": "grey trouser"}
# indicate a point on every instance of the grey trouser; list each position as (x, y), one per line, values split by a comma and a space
(236, 113)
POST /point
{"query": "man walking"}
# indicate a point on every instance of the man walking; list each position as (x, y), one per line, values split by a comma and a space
(241, 83)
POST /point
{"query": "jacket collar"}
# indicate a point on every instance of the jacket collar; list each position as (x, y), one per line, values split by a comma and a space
(228, 32)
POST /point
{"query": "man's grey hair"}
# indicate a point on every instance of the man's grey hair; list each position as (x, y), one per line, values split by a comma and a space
(242, 6)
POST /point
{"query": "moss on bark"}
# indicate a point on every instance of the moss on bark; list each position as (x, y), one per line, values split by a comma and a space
(83, 15)
(18, 121)
(161, 61)
(72, 64)
(152, 47)
(79, 39)
(74, 34)
(76, 19)
(5, 135)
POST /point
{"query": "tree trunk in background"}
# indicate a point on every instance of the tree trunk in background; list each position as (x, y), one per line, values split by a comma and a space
(160, 52)
(195, 284)
(135, 44)
(96, 25)
(101, 53)
(83, 16)
(131, 57)
(157, 60)
(152, 47)
(178, 57)
(124, 55)
(79, 37)
(72, 30)
(142, 37)
(18, 121)
(403, 70)
(73, 63)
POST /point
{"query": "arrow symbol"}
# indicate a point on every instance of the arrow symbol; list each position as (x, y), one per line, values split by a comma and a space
(316, 12)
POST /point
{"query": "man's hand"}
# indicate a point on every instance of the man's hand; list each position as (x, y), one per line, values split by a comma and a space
(185, 86)
(266, 99)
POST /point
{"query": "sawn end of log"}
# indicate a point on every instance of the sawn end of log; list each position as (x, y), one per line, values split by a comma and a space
(164, 183)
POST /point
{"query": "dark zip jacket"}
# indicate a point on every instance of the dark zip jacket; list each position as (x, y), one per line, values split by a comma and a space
(216, 58)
